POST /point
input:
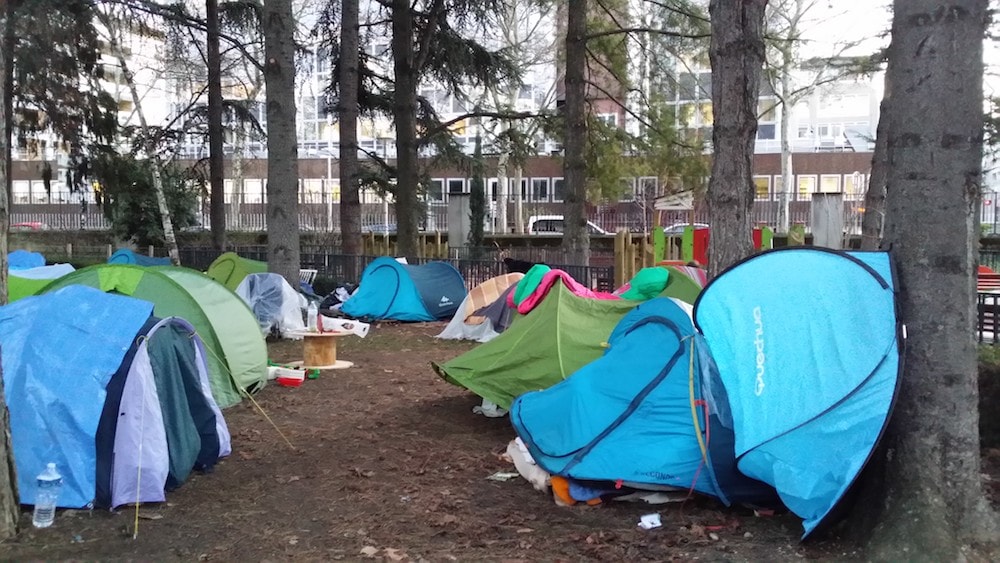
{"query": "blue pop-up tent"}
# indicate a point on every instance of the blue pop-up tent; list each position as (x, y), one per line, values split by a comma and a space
(649, 413)
(808, 348)
(403, 292)
(128, 256)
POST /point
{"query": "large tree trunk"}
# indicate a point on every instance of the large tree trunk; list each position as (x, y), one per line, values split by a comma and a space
(737, 56)
(576, 239)
(873, 218)
(282, 146)
(7, 53)
(347, 116)
(405, 114)
(9, 507)
(216, 158)
(932, 503)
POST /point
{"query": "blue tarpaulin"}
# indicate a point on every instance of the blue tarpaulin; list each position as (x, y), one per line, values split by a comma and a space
(24, 259)
(60, 350)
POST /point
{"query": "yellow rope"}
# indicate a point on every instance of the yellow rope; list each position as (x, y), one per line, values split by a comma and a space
(278, 430)
(694, 408)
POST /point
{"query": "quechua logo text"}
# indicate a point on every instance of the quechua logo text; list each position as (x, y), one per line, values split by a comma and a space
(758, 342)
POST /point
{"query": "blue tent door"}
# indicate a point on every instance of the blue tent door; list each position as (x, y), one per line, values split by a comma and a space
(386, 292)
(809, 360)
(440, 286)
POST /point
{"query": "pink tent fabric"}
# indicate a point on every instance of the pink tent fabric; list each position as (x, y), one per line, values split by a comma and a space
(548, 280)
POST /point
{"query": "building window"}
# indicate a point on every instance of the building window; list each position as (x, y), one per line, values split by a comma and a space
(539, 189)
(765, 131)
(829, 183)
(332, 187)
(22, 191)
(762, 187)
(558, 189)
(778, 186)
(806, 187)
(627, 189)
(648, 188)
(766, 110)
(609, 119)
(456, 185)
(435, 190)
(512, 182)
(855, 186)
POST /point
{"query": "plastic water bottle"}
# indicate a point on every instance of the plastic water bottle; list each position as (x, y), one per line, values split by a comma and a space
(312, 314)
(49, 485)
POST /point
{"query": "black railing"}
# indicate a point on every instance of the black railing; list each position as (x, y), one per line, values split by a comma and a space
(988, 312)
(333, 269)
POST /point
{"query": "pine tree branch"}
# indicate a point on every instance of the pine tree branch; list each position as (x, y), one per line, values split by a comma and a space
(445, 125)
(171, 13)
(429, 31)
(651, 31)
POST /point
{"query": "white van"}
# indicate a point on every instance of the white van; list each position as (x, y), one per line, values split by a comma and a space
(553, 225)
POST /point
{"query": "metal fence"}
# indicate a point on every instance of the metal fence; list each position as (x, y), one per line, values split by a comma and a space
(333, 269)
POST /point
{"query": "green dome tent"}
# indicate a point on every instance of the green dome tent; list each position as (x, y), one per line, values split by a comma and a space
(237, 354)
(28, 282)
(563, 333)
(230, 268)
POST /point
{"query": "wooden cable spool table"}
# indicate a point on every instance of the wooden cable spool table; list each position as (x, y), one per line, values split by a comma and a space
(319, 350)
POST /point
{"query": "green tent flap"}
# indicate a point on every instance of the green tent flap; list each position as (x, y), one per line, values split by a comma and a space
(237, 353)
(230, 268)
(19, 288)
(120, 281)
(559, 336)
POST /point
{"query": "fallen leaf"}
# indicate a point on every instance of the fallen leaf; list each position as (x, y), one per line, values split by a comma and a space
(369, 551)
(146, 516)
(293, 478)
(395, 554)
(293, 540)
(524, 530)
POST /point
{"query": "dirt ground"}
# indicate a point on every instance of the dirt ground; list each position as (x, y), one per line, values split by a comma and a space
(390, 463)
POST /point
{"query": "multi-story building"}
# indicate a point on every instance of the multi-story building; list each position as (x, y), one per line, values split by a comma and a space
(830, 138)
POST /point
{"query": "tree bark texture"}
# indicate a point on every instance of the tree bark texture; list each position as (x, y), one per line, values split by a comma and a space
(576, 239)
(933, 503)
(736, 53)
(282, 146)
(7, 52)
(216, 157)
(347, 116)
(405, 113)
(874, 217)
(9, 507)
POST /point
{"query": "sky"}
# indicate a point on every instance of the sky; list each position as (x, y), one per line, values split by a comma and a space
(832, 24)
